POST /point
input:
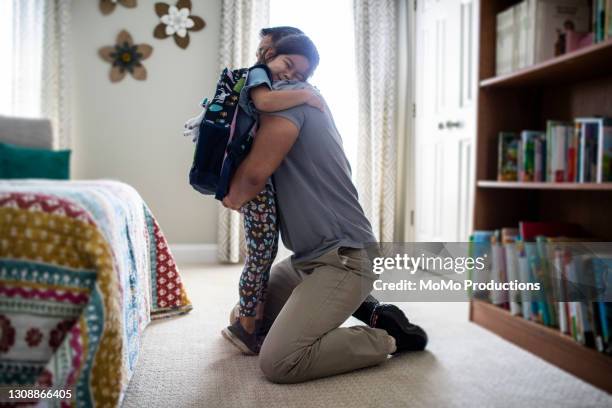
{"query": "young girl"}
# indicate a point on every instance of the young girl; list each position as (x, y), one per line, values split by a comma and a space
(294, 57)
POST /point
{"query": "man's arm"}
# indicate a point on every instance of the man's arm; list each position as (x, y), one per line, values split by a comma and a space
(275, 137)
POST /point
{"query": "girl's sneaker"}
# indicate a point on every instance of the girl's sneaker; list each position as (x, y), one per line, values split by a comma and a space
(248, 343)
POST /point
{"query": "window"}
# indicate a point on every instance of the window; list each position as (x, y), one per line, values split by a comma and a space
(329, 24)
(21, 45)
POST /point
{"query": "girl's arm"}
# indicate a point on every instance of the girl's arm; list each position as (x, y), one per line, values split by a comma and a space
(267, 100)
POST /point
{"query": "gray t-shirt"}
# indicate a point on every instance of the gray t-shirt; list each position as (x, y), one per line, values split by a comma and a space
(317, 201)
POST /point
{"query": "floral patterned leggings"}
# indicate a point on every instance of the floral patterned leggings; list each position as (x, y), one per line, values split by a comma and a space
(261, 235)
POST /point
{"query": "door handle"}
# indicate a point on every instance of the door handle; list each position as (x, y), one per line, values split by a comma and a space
(450, 124)
(441, 125)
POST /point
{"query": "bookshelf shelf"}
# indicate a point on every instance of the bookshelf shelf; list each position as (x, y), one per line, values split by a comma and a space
(545, 186)
(570, 86)
(549, 344)
(586, 63)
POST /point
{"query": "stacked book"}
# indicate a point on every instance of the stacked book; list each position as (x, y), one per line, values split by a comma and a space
(578, 152)
(533, 31)
(545, 253)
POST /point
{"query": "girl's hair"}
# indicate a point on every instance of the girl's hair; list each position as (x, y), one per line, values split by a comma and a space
(299, 44)
(276, 33)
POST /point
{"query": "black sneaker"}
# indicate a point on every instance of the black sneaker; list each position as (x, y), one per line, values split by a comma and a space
(408, 336)
(248, 343)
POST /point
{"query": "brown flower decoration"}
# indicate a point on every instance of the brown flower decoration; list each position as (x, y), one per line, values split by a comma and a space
(108, 6)
(126, 57)
(177, 21)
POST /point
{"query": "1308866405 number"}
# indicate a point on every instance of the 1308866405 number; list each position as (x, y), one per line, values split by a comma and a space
(35, 394)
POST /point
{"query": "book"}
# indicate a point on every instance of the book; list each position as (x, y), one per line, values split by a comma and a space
(528, 150)
(520, 31)
(530, 230)
(509, 236)
(498, 271)
(595, 149)
(608, 24)
(602, 268)
(552, 19)
(538, 311)
(523, 274)
(479, 245)
(587, 172)
(600, 19)
(604, 156)
(504, 41)
(557, 137)
(572, 154)
(575, 40)
(507, 157)
(562, 259)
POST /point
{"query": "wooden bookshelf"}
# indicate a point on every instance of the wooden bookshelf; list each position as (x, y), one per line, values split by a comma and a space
(588, 62)
(566, 87)
(549, 344)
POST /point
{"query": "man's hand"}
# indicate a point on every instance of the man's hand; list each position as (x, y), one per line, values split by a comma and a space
(316, 101)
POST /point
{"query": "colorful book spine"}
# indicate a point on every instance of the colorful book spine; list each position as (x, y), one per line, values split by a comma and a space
(505, 42)
(588, 149)
(528, 145)
(572, 154)
(608, 25)
(556, 150)
(523, 273)
(498, 271)
(557, 267)
(479, 245)
(512, 273)
(604, 151)
(539, 160)
(601, 20)
(507, 157)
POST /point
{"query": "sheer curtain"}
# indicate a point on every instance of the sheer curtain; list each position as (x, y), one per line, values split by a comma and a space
(34, 76)
(241, 21)
(376, 47)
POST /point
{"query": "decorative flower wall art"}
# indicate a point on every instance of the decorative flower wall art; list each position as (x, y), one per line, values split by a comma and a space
(176, 21)
(125, 56)
(108, 6)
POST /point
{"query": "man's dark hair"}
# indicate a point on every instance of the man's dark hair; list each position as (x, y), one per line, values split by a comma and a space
(299, 44)
(276, 33)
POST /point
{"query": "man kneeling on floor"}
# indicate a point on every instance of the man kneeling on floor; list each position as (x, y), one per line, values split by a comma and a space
(313, 292)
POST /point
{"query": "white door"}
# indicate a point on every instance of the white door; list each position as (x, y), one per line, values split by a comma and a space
(445, 118)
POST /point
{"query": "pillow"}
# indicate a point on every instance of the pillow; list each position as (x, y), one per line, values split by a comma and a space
(17, 162)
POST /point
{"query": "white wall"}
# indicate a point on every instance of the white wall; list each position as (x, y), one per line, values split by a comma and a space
(131, 130)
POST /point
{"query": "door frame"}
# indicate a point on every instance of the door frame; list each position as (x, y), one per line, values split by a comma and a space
(406, 121)
(408, 153)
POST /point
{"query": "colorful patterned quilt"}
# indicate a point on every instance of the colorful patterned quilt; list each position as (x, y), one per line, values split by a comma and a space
(84, 267)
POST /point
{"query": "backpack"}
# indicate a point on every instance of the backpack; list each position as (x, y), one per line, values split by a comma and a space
(219, 149)
(216, 131)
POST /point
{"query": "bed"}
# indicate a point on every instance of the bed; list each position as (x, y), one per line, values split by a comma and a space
(84, 268)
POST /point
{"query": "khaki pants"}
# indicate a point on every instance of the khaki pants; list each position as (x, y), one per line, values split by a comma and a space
(305, 305)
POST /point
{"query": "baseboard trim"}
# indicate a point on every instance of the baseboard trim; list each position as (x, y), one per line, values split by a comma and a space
(194, 253)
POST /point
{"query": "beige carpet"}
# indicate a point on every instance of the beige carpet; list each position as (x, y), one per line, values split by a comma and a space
(185, 362)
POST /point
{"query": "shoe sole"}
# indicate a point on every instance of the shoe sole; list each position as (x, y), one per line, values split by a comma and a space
(237, 342)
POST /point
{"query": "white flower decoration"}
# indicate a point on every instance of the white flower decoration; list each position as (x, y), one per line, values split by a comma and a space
(177, 21)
